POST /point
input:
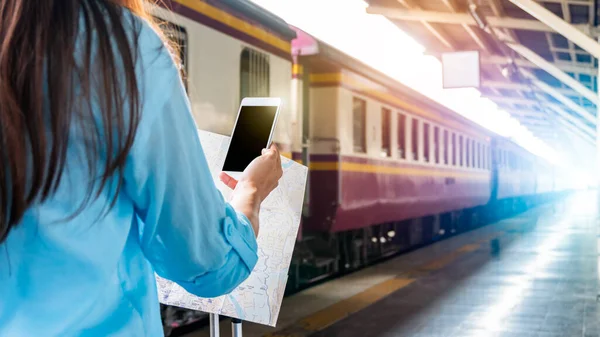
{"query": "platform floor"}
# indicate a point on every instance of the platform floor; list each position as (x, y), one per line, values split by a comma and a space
(543, 282)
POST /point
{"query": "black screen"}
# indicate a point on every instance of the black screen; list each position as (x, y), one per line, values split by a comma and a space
(250, 136)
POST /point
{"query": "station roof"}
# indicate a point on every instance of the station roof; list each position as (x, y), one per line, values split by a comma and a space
(539, 75)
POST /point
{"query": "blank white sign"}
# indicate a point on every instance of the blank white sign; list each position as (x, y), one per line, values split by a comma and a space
(461, 70)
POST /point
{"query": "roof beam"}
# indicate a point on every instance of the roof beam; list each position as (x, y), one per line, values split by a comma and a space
(520, 113)
(553, 70)
(536, 122)
(478, 38)
(569, 123)
(564, 100)
(439, 35)
(590, 132)
(542, 104)
(515, 100)
(498, 9)
(462, 18)
(522, 87)
(559, 25)
(496, 59)
(576, 132)
(572, 2)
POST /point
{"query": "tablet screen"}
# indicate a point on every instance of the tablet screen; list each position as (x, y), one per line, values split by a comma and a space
(250, 136)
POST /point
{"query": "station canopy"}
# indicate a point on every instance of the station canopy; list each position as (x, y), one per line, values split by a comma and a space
(538, 58)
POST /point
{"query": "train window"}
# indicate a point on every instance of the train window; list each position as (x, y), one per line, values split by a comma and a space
(467, 152)
(475, 148)
(359, 121)
(461, 150)
(415, 138)
(454, 149)
(386, 132)
(254, 74)
(402, 136)
(474, 153)
(178, 37)
(483, 156)
(426, 142)
(436, 144)
(446, 147)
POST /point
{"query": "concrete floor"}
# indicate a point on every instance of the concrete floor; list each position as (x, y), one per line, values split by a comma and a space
(542, 282)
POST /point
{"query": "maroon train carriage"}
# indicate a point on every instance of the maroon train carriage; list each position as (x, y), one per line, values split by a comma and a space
(390, 169)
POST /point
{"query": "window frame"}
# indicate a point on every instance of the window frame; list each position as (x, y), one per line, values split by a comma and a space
(461, 150)
(401, 135)
(386, 111)
(436, 144)
(259, 65)
(363, 111)
(414, 134)
(426, 144)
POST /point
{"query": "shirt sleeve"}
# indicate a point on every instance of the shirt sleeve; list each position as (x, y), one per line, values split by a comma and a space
(189, 233)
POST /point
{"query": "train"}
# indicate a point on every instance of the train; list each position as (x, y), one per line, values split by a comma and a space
(389, 168)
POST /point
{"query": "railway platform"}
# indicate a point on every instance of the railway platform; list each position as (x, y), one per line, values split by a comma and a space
(535, 274)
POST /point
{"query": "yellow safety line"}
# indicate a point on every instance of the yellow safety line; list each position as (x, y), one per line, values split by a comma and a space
(345, 308)
(237, 24)
(469, 248)
(448, 259)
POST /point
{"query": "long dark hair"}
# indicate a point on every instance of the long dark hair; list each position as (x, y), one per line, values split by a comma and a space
(48, 50)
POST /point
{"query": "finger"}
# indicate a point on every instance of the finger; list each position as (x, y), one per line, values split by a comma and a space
(273, 148)
(263, 151)
(228, 180)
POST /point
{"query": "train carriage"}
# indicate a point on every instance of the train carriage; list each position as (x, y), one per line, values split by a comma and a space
(390, 169)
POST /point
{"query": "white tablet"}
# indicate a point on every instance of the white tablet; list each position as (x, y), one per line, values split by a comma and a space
(252, 132)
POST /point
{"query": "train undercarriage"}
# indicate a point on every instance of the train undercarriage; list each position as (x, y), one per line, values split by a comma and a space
(319, 256)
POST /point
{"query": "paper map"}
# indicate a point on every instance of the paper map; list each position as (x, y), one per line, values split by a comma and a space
(258, 299)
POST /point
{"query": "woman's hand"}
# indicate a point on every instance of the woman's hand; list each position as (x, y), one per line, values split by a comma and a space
(258, 180)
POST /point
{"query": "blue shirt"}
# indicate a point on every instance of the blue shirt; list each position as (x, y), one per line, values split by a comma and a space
(93, 275)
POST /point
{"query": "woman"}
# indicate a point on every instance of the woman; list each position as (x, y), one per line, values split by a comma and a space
(103, 181)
